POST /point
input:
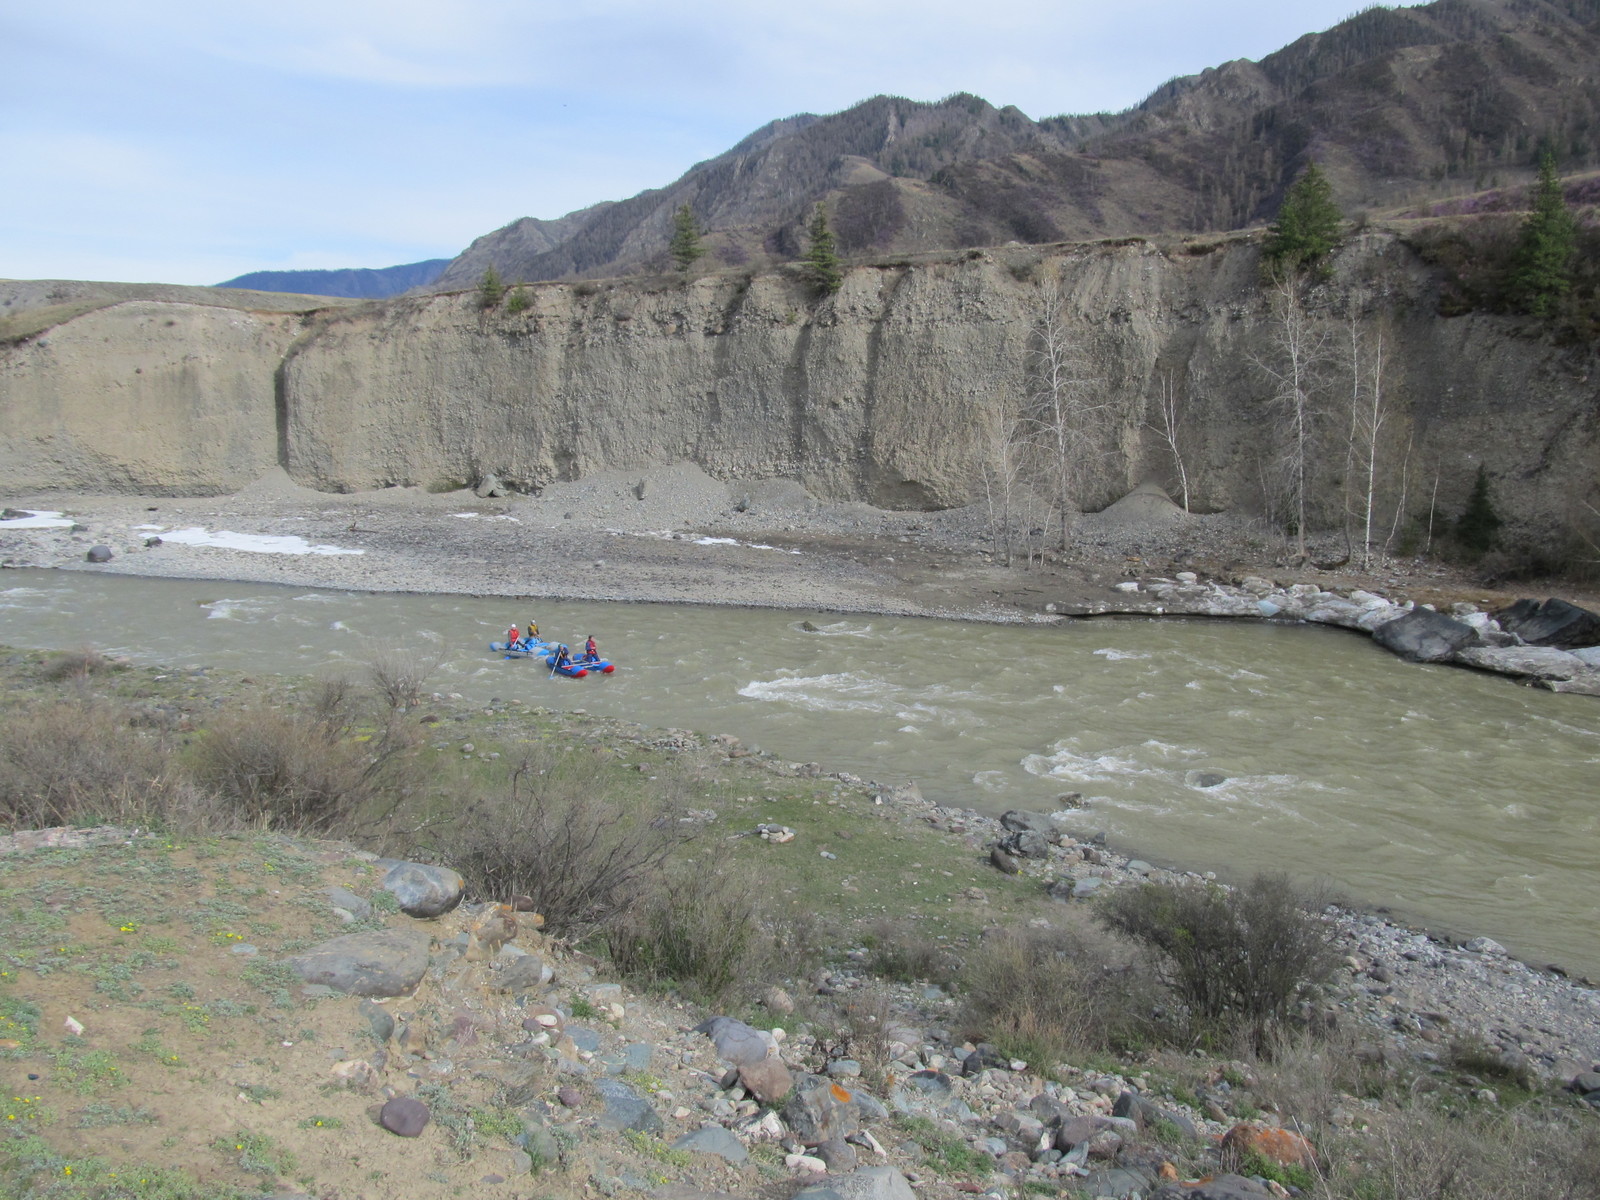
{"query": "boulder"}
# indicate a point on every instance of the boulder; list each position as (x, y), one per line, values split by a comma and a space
(713, 1139)
(867, 1183)
(625, 1109)
(98, 554)
(424, 890)
(1270, 1142)
(1020, 821)
(819, 1110)
(523, 973)
(404, 1116)
(1423, 635)
(1534, 662)
(769, 1081)
(737, 1043)
(1552, 623)
(384, 962)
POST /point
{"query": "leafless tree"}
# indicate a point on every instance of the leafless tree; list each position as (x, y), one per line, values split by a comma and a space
(1368, 415)
(1065, 412)
(1005, 463)
(1167, 413)
(1299, 351)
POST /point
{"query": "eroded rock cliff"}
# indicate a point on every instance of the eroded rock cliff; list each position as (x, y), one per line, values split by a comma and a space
(889, 392)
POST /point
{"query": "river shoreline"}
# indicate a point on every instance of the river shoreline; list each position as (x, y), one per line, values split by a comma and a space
(673, 536)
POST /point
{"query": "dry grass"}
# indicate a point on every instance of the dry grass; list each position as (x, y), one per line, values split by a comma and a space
(79, 763)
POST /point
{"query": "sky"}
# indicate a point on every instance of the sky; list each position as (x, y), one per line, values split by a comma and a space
(181, 141)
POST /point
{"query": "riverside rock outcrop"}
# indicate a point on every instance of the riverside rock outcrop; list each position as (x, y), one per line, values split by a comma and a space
(884, 393)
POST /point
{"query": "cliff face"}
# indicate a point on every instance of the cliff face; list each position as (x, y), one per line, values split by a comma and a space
(142, 395)
(886, 393)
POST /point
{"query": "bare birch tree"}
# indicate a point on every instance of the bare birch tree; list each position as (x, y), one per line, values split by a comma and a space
(1167, 413)
(1004, 466)
(1299, 353)
(1368, 416)
(1065, 412)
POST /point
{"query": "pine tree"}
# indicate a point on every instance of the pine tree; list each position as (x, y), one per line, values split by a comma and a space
(1307, 228)
(490, 289)
(1479, 524)
(1542, 273)
(685, 245)
(518, 301)
(822, 264)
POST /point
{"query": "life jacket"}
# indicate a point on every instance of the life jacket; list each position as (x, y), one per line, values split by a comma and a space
(589, 648)
(512, 637)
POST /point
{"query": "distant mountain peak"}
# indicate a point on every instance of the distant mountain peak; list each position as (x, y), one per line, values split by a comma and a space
(1401, 104)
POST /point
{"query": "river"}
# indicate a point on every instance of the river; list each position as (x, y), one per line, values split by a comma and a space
(1454, 799)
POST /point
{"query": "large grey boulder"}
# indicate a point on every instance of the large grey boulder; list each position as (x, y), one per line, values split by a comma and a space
(1534, 662)
(867, 1183)
(383, 962)
(819, 1110)
(737, 1043)
(1020, 821)
(713, 1139)
(1423, 635)
(424, 890)
(626, 1109)
(1552, 623)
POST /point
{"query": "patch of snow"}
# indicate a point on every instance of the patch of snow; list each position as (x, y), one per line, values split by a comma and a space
(256, 543)
(38, 520)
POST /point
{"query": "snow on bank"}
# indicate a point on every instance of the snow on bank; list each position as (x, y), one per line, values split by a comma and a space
(256, 543)
(38, 520)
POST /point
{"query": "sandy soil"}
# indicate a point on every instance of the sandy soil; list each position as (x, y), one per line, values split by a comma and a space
(674, 534)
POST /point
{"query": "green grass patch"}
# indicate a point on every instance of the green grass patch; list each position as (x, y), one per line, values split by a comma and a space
(945, 1153)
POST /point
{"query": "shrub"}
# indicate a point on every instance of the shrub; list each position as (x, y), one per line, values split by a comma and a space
(696, 927)
(400, 678)
(81, 764)
(74, 664)
(1479, 524)
(1041, 994)
(1237, 959)
(491, 289)
(569, 836)
(899, 950)
(307, 771)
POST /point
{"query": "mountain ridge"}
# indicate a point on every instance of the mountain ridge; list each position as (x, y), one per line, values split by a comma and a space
(1399, 104)
(357, 283)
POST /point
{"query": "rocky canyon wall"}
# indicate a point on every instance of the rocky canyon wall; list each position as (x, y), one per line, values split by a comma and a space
(887, 392)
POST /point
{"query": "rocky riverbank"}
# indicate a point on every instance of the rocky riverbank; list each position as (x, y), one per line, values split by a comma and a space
(332, 1024)
(446, 1044)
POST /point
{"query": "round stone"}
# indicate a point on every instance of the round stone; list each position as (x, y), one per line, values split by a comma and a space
(404, 1116)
